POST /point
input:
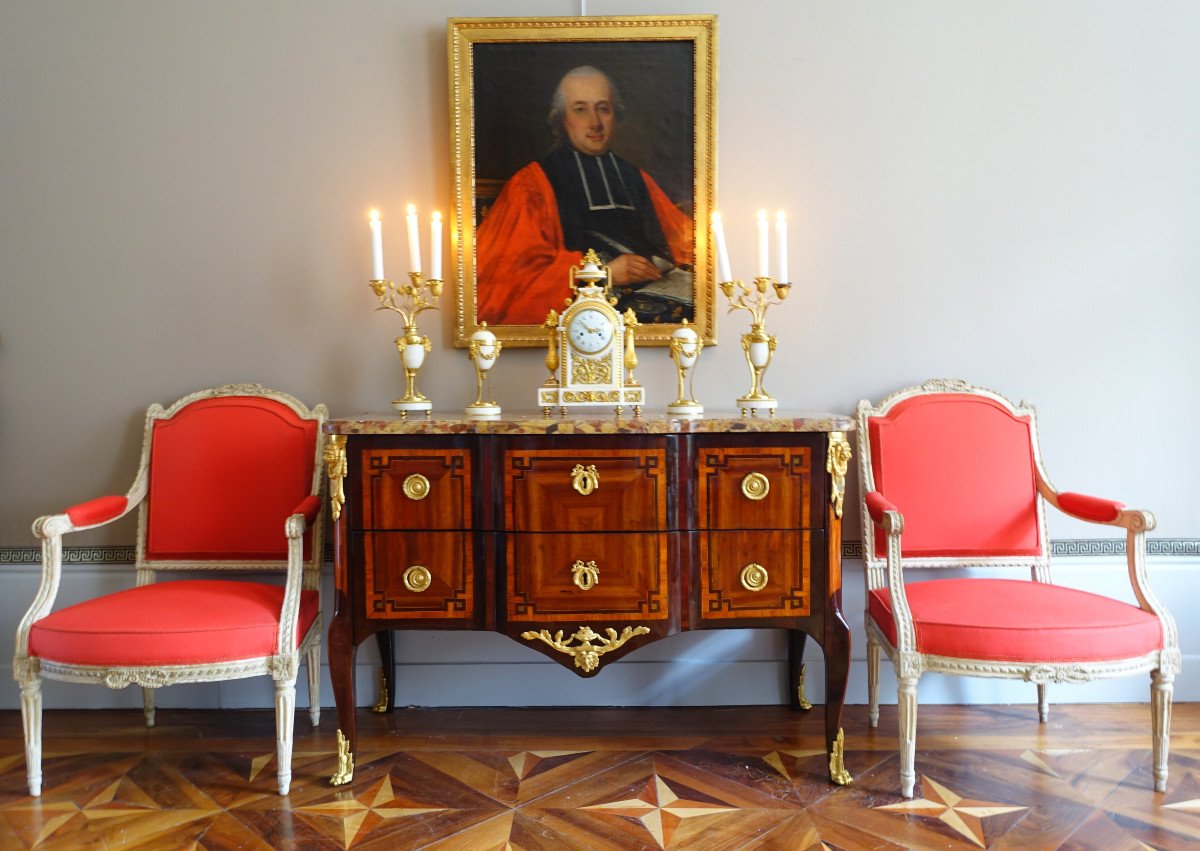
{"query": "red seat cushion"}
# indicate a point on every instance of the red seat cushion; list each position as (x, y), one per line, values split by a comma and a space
(1009, 620)
(170, 623)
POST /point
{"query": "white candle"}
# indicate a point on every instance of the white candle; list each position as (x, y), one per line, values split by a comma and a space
(377, 245)
(414, 240)
(722, 251)
(781, 248)
(435, 247)
(763, 245)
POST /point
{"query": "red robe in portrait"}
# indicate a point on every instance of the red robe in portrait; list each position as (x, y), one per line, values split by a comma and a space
(522, 267)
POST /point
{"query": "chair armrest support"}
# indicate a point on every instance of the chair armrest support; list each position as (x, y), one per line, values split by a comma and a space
(884, 512)
(97, 512)
(1094, 509)
(1136, 522)
(303, 516)
(1091, 508)
(877, 504)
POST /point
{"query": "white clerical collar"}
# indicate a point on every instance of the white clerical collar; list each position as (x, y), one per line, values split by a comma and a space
(598, 187)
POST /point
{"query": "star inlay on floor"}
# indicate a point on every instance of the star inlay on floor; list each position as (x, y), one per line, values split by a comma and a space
(962, 815)
(660, 809)
(729, 778)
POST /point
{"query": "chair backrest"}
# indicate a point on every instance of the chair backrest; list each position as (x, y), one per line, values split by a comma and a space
(225, 469)
(961, 466)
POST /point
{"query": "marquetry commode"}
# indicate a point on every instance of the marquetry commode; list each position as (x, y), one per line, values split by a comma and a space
(587, 538)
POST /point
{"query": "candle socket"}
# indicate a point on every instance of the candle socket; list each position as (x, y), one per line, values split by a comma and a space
(758, 346)
(409, 300)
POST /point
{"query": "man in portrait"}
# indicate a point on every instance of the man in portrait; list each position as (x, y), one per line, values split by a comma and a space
(582, 195)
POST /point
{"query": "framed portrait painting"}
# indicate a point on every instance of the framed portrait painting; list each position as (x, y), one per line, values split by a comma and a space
(572, 134)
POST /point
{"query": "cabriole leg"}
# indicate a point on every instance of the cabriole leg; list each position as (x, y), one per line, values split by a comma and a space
(31, 721)
(1162, 686)
(907, 699)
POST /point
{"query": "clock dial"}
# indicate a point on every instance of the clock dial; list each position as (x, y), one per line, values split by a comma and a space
(590, 331)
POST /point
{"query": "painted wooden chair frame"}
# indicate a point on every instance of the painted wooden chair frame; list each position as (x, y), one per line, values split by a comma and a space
(299, 548)
(883, 526)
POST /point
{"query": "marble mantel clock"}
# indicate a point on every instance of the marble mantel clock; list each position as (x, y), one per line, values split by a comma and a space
(590, 353)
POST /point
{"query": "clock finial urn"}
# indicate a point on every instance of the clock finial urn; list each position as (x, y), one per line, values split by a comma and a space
(590, 348)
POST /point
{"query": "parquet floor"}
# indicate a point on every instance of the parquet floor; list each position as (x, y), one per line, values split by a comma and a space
(713, 778)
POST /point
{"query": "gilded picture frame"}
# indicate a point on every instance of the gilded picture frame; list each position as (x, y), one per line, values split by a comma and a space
(536, 149)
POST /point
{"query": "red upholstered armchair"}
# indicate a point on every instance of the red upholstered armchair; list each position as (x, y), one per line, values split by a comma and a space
(952, 477)
(230, 480)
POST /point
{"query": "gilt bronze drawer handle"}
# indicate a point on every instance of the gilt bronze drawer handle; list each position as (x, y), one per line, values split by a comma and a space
(754, 577)
(756, 486)
(585, 479)
(417, 578)
(586, 654)
(585, 575)
(416, 487)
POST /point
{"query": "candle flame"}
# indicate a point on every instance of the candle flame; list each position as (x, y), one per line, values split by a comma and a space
(716, 218)
(780, 216)
(374, 215)
(411, 209)
(437, 216)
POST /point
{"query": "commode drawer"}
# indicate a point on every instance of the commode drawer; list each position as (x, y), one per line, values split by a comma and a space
(756, 574)
(418, 575)
(603, 577)
(753, 487)
(416, 488)
(609, 490)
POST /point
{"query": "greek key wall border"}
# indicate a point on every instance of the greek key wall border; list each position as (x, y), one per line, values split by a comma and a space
(1087, 547)
(850, 549)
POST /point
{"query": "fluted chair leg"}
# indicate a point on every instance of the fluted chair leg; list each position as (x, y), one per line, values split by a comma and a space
(313, 664)
(148, 706)
(285, 712)
(907, 694)
(31, 721)
(1162, 687)
(874, 651)
(1043, 704)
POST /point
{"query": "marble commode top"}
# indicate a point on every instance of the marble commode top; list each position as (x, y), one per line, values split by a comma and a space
(535, 423)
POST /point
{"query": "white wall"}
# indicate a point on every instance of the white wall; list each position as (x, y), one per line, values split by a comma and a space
(1001, 190)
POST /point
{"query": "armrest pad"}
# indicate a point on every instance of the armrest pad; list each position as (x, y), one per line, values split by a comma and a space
(1089, 507)
(877, 504)
(97, 511)
(310, 507)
